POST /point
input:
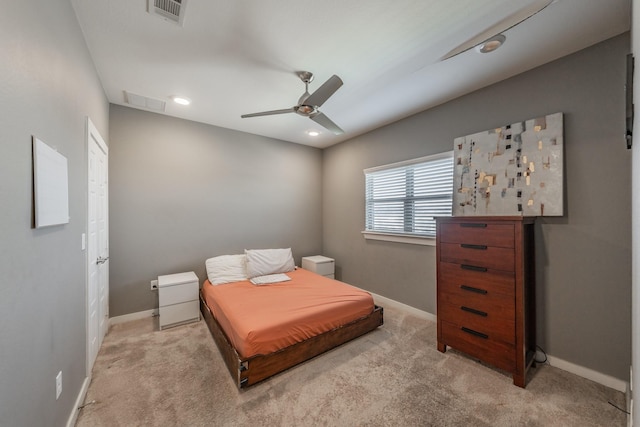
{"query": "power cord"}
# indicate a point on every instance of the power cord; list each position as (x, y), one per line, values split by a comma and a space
(617, 407)
(87, 404)
(545, 361)
(543, 352)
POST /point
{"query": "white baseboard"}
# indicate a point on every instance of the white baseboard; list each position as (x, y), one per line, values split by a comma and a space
(133, 316)
(384, 301)
(629, 396)
(590, 374)
(73, 417)
(581, 371)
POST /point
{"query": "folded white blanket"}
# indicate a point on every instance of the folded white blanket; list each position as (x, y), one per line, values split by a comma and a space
(270, 278)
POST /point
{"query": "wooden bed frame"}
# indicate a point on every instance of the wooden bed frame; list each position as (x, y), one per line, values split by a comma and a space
(249, 371)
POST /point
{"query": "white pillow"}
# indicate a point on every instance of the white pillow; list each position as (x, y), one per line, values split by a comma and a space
(226, 269)
(261, 262)
(270, 278)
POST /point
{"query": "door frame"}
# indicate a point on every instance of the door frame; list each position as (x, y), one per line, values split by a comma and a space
(93, 136)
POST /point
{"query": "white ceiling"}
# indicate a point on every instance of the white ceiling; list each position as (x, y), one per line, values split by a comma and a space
(237, 57)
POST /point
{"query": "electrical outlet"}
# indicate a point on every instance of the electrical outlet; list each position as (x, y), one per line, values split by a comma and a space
(58, 385)
(154, 285)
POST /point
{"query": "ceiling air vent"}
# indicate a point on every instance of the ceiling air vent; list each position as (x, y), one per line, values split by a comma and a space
(170, 10)
(145, 102)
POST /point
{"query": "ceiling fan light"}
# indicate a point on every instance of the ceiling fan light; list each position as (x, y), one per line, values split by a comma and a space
(491, 44)
(305, 110)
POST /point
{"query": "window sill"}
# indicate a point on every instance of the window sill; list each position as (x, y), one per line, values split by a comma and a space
(400, 238)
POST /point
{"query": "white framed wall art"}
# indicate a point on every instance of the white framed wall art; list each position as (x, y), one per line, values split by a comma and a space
(50, 185)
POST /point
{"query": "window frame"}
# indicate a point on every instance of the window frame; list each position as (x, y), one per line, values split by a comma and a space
(407, 236)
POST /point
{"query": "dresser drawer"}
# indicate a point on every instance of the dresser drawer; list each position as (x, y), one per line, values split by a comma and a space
(478, 233)
(497, 353)
(493, 257)
(491, 315)
(491, 281)
(175, 294)
(175, 314)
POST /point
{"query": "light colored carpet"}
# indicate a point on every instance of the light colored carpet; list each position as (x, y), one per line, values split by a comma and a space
(393, 376)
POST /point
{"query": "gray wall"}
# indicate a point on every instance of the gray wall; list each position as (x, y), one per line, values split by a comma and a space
(181, 192)
(635, 222)
(583, 258)
(48, 85)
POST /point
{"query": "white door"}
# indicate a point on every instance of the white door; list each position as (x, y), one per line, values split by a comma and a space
(97, 243)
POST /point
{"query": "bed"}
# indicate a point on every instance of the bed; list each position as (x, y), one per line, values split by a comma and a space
(263, 329)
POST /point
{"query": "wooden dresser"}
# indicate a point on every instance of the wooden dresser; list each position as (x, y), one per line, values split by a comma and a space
(486, 290)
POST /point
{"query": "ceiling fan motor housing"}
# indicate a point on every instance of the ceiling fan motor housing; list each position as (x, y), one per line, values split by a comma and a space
(305, 110)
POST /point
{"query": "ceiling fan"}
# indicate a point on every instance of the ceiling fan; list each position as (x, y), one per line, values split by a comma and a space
(308, 104)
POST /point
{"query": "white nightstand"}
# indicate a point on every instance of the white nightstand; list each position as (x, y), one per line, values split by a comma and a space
(178, 299)
(320, 264)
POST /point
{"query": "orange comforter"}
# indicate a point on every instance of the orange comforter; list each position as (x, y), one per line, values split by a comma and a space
(260, 319)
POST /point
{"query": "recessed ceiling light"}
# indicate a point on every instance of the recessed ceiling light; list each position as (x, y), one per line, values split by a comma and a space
(491, 44)
(181, 100)
(313, 133)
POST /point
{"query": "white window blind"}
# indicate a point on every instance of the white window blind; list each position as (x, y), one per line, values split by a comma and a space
(405, 198)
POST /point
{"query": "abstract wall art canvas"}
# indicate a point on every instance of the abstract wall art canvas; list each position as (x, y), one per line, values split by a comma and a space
(513, 170)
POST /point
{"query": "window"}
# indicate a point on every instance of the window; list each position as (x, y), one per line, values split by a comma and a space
(404, 198)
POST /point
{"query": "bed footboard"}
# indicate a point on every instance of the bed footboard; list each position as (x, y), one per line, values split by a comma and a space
(229, 354)
(249, 371)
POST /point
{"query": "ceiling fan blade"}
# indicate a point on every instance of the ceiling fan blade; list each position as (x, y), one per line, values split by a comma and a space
(500, 27)
(323, 93)
(268, 113)
(324, 121)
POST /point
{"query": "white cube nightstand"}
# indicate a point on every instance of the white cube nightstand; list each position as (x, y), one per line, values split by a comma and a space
(320, 264)
(178, 299)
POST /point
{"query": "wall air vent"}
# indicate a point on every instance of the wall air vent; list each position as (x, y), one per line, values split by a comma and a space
(170, 10)
(147, 103)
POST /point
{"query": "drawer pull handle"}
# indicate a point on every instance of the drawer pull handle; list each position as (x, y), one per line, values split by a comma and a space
(472, 289)
(475, 333)
(474, 311)
(473, 268)
(467, 246)
(473, 225)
